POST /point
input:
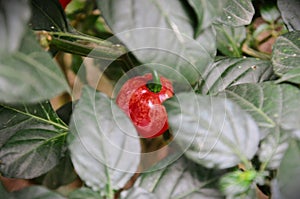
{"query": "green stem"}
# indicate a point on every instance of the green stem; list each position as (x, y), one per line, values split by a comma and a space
(83, 45)
(154, 85)
(109, 192)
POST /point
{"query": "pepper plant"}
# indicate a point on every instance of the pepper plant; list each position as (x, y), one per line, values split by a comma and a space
(149, 99)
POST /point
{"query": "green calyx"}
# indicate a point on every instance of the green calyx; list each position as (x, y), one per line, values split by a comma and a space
(154, 85)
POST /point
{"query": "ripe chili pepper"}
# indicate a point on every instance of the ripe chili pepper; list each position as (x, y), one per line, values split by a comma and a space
(141, 99)
(64, 3)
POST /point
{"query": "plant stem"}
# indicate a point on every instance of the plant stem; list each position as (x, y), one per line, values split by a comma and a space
(109, 192)
(249, 51)
(83, 45)
(154, 85)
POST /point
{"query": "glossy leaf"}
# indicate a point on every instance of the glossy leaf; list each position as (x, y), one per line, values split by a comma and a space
(177, 180)
(36, 192)
(237, 13)
(14, 16)
(30, 75)
(208, 126)
(286, 53)
(269, 104)
(26, 130)
(85, 193)
(229, 39)
(289, 171)
(233, 71)
(48, 15)
(104, 144)
(273, 148)
(289, 10)
(170, 27)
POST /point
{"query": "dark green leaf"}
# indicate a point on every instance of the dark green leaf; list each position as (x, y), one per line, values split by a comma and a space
(208, 126)
(158, 32)
(104, 144)
(177, 180)
(237, 13)
(207, 11)
(229, 39)
(48, 15)
(31, 152)
(269, 104)
(32, 140)
(36, 192)
(3, 192)
(84, 193)
(289, 172)
(233, 71)
(60, 175)
(30, 75)
(286, 52)
(289, 10)
(14, 16)
(273, 148)
(14, 118)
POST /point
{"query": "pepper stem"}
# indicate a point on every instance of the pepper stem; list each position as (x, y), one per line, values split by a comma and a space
(154, 85)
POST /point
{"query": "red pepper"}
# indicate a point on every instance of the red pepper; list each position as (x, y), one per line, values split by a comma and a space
(64, 3)
(144, 106)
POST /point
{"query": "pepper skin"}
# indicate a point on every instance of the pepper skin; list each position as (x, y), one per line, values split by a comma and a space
(144, 107)
(64, 3)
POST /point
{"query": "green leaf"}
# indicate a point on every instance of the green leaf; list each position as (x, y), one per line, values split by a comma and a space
(36, 192)
(206, 11)
(164, 36)
(269, 12)
(85, 193)
(289, 10)
(32, 140)
(238, 184)
(209, 132)
(104, 144)
(233, 71)
(237, 13)
(231, 13)
(229, 39)
(273, 148)
(289, 171)
(292, 76)
(138, 192)
(177, 180)
(14, 16)
(61, 174)
(3, 192)
(286, 53)
(269, 104)
(30, 75)
(37, 150)
(48, 15)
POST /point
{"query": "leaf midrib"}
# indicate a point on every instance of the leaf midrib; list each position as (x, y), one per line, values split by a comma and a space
(36, 117)
(249, 104)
